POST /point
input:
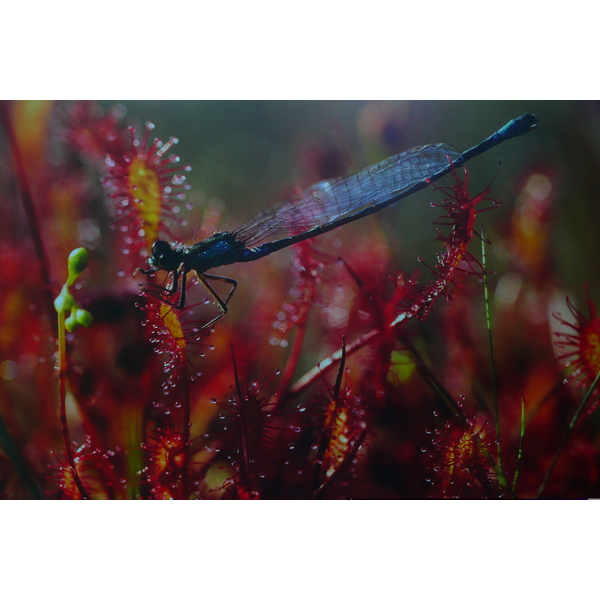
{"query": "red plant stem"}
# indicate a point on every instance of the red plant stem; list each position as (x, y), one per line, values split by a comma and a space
(186, 437)
(326, 365)
(294, 355)
(247, 480)
(28, 204)
(62, 394)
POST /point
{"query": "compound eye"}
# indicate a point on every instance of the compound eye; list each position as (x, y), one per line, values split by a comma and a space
(164, 257)
(159, 248)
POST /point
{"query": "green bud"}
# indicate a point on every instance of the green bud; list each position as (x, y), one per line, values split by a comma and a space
(71, 323)
(77, 262)
(83, 317)
(64, 301)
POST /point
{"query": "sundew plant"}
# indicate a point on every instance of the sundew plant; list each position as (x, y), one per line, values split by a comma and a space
(447, 347)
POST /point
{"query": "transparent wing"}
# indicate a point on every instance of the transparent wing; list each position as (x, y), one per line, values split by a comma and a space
(330, 200)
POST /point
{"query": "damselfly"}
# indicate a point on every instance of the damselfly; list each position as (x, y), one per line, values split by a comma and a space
(322, 207)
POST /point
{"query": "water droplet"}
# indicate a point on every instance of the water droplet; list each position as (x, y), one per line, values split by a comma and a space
(301, 408)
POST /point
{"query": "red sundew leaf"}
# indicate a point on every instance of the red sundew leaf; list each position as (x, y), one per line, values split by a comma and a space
(96, 471)
(294, 311)
(411, 298)
(175, 335)
(247, 420)
(148, 190)
(460, 468)
(461, 212)
(343, 429)
(455, 258)
(166, 459)
(583, 345)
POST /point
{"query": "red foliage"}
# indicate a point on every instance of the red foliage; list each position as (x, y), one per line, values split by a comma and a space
(345, 381)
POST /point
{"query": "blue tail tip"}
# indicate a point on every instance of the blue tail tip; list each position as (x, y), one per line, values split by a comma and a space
(519, 126)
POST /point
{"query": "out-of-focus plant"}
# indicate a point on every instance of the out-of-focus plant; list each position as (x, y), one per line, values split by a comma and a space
(341, 379)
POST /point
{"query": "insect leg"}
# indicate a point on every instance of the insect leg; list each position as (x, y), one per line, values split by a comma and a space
(222, 305)
(232, 282)
(181, 302)
(162, 293)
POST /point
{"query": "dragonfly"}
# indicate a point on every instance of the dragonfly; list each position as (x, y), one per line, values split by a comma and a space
(320, 208)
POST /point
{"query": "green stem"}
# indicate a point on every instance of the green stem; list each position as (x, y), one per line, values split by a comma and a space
(576, 416)
(521, 437)
(62, 396)
(488, 319)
